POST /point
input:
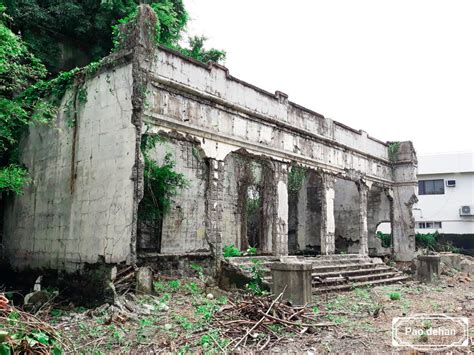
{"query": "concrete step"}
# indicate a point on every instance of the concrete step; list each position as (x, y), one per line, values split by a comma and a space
(341, 279)
(350, 286)
(376, 269)
(318, 269)
(351, 272)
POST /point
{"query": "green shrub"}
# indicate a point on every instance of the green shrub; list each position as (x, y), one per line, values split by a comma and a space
(251, 251)
(394, 296)
(385, 238)
(427, 240)
(230, 251)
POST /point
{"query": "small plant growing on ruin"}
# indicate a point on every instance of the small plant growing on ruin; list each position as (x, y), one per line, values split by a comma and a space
(296, 178)
(161, 182)
(427, 240)
(256, 284)
(251, 251)
(200, 272)
(386, 239)
(394, 296)
(393, 150)
(231, 251)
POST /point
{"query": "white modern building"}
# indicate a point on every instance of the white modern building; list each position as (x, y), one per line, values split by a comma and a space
(445, 193)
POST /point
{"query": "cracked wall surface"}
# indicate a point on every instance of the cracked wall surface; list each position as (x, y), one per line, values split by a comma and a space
(183, 229)
(79, 206)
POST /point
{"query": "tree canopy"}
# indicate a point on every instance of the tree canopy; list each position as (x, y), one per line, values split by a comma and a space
(71, 33)
(42, 39)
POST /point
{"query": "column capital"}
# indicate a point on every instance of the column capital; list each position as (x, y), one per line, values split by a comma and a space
(328, 180)
(363, 185)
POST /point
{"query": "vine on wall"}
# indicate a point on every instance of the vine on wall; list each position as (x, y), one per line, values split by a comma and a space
(161, 182)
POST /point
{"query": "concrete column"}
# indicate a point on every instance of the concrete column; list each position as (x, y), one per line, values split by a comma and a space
(294, 280)
(363, 188)
(403, 222)
(214, 209)
(402, 197)
(328, 223)
(279, 227)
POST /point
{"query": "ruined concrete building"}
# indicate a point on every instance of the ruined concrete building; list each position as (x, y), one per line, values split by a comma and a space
(262, 170)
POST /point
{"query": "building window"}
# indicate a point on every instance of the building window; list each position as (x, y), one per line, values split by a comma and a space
(431, 187)
(430, 225)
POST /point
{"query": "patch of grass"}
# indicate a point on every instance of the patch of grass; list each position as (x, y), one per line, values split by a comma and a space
(184, 322)
(406, 305)
(174, 285)
(337, 319)
(435, 306)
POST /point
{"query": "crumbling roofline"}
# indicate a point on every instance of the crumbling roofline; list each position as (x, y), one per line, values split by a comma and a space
(252, 114)
(274, 96)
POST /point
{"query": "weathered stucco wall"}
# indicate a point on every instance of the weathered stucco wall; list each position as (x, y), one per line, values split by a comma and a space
(183, 228)
(378, 211)
(78, 208)
(88, 179)
(346, 213)
(228, 114)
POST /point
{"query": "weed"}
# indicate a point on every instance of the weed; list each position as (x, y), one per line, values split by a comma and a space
(200, 272)
(436, 306)
(55, 313)
(251, 251)
(159, 287)
(208, 341)
(206, 310)
(184, 322)
(231, 251)
(405, 305)
(193, 288)
(165, 298)
(394, 296)
(174, 285)
(337, 319)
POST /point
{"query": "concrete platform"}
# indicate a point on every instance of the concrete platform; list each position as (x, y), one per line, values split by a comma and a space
(330, 272)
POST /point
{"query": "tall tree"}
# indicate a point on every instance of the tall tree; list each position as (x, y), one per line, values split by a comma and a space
(18, 69)
(69, 33)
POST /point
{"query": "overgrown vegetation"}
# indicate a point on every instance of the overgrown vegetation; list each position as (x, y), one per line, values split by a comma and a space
(296, 177)
(385, 238)
(231, 251)
(427, 240)
(161, 182)
(72, 33)
(52, 31)
(393, 150)
(256, 284)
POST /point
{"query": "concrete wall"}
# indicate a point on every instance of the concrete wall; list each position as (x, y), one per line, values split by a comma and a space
(346, 213)
(183, 228)
(305, 215)
(79, 206)
(231, 212)
(226, 114)
(378, 212)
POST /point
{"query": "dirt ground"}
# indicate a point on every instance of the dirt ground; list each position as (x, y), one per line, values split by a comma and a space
(186, 316)
(182, 317)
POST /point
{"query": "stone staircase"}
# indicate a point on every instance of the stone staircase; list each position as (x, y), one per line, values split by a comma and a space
(330, 272)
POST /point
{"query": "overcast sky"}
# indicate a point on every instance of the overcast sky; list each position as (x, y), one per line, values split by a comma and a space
(400, 70)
